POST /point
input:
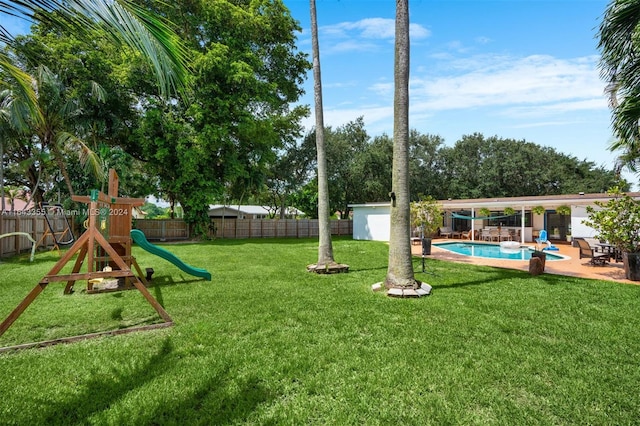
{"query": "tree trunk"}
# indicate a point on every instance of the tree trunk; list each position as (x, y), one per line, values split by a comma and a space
(400, 280)
(58, 158)
(1, 176)
(326, 263)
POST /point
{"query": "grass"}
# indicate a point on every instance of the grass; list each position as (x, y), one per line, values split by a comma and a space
(268, 343)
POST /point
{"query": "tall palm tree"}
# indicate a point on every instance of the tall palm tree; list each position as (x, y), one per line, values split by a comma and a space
(123, 20)
(326, 262)
(57, 112)
(400, 280)
(619, 43)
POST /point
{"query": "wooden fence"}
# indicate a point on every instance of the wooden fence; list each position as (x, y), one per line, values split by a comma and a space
(164, 229)
(177, 229)
(33, 224)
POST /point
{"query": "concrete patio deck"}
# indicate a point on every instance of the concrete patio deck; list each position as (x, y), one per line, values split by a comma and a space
(573, 266)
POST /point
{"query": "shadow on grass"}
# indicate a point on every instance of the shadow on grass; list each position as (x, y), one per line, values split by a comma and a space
(215, 400)
(379, 268)
(442, 275)
(169, 280)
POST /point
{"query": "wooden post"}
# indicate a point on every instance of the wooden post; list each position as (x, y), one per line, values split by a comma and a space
(21, 307)
(2, 231)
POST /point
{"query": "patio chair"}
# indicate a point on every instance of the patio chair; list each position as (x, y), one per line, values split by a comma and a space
(593, 243)
(597, 259)
(445, 232)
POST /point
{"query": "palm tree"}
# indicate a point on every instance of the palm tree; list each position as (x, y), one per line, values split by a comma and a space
(57, 112)
(400, 280)
(620, 66)
(123, 20)
(326, 263)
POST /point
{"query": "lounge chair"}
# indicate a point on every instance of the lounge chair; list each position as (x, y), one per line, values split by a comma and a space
(445, 232)
(597, 259)
(466, 235)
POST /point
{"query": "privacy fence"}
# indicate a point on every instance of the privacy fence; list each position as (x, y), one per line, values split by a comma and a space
(161, 230)
(177, 229)
(33, 224)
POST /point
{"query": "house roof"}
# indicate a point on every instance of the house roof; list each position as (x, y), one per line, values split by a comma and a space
(580, 199)
(249, 209)
(242, 209)
(18, 205)
(527, 202)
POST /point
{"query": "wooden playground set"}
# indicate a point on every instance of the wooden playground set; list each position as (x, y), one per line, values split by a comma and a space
(104, 249)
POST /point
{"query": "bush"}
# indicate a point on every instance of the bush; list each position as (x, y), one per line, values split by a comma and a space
(617, 221)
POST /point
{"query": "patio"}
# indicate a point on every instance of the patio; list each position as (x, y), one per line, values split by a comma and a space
(574, 266)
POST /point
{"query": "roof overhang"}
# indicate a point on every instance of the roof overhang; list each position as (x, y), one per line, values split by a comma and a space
(546, 201)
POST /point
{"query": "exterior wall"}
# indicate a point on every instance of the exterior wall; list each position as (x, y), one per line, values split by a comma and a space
(538, 222)
(579, 229)
(371, 222)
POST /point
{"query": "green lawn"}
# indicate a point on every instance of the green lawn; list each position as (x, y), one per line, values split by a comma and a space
(268, 343)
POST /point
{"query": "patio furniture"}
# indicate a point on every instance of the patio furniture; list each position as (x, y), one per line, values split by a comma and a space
(594, 243)
(445, 231)
(467, 235)
(586, 252)
(611, 250)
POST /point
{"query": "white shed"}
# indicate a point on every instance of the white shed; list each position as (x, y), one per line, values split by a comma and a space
(371, 221)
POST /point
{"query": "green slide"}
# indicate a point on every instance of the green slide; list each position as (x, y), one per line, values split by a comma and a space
(141, 240)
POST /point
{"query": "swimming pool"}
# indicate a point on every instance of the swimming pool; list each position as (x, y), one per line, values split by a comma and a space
(492, 251)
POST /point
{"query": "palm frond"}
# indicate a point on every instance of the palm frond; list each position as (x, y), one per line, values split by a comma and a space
(125, 22)
(98, 91)
(89, 159)
(21, 85)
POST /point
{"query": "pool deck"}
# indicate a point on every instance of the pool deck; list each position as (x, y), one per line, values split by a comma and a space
(573, 266)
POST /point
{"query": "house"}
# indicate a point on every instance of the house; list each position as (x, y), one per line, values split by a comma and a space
(18, 205)
(218, 211)
(371, 220)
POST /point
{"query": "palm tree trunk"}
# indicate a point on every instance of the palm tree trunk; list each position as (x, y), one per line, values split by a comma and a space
(63, 169)
(400, 280)
(1, 176)
(326, 263)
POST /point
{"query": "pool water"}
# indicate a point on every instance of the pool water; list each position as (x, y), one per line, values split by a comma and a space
(492, 251)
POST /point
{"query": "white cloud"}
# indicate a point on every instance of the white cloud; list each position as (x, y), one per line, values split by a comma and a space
(497, 91)
(372, 28)
(382, 89)
(557, 108)
(483, 40)
(505, 81)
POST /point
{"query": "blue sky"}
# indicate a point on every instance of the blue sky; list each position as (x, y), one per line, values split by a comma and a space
(521, 69)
